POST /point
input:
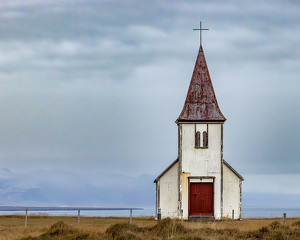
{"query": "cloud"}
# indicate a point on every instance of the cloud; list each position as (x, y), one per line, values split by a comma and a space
(98, 84)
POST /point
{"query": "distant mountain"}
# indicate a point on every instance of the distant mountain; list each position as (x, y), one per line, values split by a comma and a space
(63, 188)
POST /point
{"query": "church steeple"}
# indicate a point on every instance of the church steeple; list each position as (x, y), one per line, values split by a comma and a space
(201, 103)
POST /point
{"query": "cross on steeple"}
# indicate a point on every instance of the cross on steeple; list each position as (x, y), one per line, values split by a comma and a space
(200, 29)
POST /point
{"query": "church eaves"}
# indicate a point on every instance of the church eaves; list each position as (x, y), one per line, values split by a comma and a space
(201, 103)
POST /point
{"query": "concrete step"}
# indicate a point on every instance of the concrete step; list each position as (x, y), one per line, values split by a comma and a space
(206, 218)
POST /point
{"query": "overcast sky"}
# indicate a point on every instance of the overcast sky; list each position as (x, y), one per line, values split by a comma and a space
(96, 86)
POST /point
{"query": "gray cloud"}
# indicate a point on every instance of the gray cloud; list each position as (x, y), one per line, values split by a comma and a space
(89, 85)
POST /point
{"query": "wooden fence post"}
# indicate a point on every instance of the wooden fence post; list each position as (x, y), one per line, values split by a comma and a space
(78, 216)
(232, 216)
(130, 216)
(26, 218)
(284, 217)
(159, 214)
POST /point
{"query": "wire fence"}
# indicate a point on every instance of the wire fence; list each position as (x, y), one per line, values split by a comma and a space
(78, 209)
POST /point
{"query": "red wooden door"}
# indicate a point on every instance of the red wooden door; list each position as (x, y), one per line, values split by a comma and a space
(201, 199)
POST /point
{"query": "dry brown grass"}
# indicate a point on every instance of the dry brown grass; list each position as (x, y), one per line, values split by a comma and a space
(12, 226)
(247, 224)
(65, 227)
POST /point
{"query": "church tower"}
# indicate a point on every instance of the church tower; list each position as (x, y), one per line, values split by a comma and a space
(200, 150)
(199, 183)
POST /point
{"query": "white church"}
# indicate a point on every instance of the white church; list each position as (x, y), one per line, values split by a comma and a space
(199, 184)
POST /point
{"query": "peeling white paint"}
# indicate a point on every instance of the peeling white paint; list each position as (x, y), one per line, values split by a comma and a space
(168, 192)
(231, 194)
(202, 161)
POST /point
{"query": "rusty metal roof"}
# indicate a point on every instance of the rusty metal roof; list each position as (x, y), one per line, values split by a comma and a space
(201, 102)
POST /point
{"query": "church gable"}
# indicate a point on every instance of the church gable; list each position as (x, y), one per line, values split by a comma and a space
(166, 170)
(233, 170)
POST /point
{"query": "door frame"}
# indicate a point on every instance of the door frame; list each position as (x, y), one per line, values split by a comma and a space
(200, 179)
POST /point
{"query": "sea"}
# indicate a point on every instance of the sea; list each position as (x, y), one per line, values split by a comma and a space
(247, 212)
(150, 211)
(265, 212)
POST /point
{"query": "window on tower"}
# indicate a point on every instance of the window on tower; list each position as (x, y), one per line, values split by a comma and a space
(205, 139)
(197, 139)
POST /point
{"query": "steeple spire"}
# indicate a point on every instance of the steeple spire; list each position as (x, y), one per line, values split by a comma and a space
(201, 103)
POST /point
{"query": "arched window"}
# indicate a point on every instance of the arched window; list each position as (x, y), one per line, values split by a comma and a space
(205, 139)
(197, 139)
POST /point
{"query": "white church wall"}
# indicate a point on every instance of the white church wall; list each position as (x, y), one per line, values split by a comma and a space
(202, 161)
(168, 193)
(231, 194)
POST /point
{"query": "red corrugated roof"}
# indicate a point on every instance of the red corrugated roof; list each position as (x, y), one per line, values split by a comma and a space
(201, 103)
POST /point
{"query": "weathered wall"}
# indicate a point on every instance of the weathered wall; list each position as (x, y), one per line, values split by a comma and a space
(201, 161)
(231, 194)
(168, 193)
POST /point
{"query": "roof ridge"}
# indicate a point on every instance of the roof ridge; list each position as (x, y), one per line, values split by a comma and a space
(171, 165)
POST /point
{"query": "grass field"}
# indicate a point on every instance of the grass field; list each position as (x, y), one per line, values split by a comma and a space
(66, 227)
